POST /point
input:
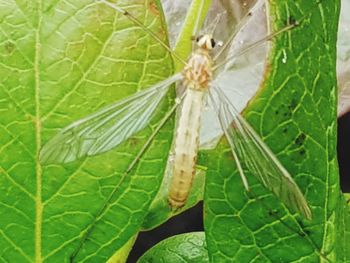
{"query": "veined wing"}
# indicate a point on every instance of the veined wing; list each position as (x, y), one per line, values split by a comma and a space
(106, 128)
(252, 154)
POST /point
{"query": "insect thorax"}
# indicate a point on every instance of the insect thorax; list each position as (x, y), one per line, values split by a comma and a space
(198, 71)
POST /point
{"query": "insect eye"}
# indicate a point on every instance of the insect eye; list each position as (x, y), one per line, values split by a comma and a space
(198, 38)
(212, 41)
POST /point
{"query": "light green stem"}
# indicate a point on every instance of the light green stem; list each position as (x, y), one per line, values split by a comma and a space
(194, 20)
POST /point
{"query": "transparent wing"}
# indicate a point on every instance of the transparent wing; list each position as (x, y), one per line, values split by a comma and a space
(106, 128)
(253, 155)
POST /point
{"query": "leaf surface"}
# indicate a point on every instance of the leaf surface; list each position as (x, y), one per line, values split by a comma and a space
(60, 62)
(295, 114)
(188, 247)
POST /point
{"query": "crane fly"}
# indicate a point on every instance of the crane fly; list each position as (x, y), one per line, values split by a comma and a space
(108, 127)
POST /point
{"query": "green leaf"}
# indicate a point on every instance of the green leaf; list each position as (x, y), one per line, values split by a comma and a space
(295, 114)
(60, 62)
(343, 231)
(189, 247)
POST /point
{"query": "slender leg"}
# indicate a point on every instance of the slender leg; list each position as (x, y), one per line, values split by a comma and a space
(237, 28)
(131, 166)
(298, 230)
(253, 45)
(145, 146)
(139, 23)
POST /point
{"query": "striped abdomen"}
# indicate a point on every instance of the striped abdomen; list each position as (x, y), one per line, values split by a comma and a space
(186, 147)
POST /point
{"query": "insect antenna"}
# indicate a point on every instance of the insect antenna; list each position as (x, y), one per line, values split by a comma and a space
(254, 45)
(132, 165)
(238, 27)
(291, 24)
(213, 24)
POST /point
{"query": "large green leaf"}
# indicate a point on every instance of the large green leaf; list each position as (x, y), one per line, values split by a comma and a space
(61, 61)
(343, 231)
(295, 114)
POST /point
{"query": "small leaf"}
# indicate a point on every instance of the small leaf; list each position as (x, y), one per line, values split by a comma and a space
(189, 247)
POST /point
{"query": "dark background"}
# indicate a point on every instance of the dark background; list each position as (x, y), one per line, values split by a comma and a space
(344, 152)
(191, 220)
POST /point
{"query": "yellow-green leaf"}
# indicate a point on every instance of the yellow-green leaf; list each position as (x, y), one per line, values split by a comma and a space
(60, 62)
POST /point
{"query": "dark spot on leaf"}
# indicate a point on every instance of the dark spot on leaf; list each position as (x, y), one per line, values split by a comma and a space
(287, 114)
(234, 126)
(250, 196)
(133, 142)
(291, 21)
(153, 8)
(273, 213)
(301, 223)
(285, 130)
(302, 152)
(307, 232)
(304, 232)
(9, 47)
(293, 104)
(300, 139)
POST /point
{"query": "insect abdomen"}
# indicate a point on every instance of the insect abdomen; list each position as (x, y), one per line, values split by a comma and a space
(186, 147)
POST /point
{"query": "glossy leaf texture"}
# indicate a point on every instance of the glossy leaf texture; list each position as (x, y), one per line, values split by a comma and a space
(188, 247)
(294, 112)
(343, 229)
(61, 61)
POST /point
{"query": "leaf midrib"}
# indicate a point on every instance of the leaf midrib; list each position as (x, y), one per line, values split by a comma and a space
(37, 120)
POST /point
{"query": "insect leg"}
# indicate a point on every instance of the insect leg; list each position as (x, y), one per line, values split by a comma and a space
(239, 167)
(254, 45)
(299, 229)
(131, 166)
(237, 28)
(161, 124)
(140, 24)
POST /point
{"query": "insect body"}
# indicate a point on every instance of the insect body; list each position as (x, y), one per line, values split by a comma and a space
(108, 127)
(197, 74)
(105, 129)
